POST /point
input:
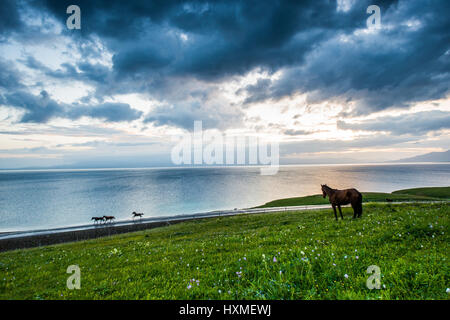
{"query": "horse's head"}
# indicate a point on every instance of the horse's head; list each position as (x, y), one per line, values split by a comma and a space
(324, 194)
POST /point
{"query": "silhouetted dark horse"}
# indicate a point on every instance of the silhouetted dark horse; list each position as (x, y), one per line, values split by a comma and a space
(343, 197)
(135, 214)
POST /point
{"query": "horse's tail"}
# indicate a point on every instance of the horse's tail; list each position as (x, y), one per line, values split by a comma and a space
(359, 205)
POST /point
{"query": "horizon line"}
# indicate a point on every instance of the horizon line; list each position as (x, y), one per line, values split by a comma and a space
(219, 166)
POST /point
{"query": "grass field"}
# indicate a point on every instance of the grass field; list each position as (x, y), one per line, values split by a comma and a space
(436, 192)
(418, 194)
(288, 255)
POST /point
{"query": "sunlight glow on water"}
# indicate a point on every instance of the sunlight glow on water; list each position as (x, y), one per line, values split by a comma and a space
(42, 199)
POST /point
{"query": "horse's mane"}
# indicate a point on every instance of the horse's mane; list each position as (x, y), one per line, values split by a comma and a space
(327, 187)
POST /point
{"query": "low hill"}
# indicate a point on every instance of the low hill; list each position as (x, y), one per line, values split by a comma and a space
(417, 194)
(429, 157)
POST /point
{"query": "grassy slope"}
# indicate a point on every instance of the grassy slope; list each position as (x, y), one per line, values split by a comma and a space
(410, 243)
(442, 192)
(419, 194)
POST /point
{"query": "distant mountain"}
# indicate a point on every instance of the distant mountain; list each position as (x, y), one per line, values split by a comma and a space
(429, 157)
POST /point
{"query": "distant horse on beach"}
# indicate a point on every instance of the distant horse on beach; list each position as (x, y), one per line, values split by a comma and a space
(343, 197)
(135, 214)
(108, 218)
(97, 219)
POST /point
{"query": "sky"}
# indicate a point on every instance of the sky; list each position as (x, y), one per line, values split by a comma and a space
(310, 75)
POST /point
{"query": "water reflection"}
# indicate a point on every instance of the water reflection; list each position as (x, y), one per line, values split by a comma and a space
(37, 199)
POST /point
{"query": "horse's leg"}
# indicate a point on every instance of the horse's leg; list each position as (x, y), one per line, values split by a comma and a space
(340, 211)
(335, 214)
(355, 210)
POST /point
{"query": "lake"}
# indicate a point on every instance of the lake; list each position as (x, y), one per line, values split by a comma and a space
(56, 198)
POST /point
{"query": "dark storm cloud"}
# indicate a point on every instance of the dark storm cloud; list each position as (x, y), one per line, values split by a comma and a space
(82, 71)
(112, 112)
(9, 76)
(225, 37)
(41, 108)
(154, 42)
(32, 63)
(38, 109)
(9, 17)
(416, 123)
(393, 68)
(256, 92)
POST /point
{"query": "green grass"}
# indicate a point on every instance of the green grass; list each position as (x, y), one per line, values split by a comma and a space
(313, 254)
(419, 194)
(438, 192)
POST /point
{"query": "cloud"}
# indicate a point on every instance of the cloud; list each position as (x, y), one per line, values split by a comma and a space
(41, 108)
(101, 143)
(418, 123)
(112, 112)
(9, 17)
(369, 72)
(84, 71)
(224, 38)
(183, 115)
(335, 145)
(291, 132)
(256, 92)
(170, 51)
(72, 131)
(9, 76)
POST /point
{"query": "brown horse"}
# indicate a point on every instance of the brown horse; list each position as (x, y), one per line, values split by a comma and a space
(108, 218)
(343, 197)
(97, 219)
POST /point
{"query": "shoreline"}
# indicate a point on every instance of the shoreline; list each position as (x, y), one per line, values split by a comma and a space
(37, 238)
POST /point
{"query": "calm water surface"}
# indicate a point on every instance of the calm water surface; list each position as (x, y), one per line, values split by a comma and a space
(41, 199)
